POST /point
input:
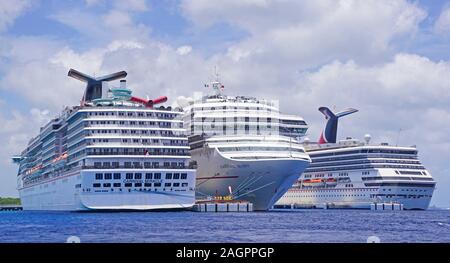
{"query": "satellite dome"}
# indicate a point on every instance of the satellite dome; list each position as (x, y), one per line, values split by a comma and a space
(367, 138)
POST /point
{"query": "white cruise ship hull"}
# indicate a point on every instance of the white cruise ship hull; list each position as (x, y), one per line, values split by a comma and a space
(352, 198)
(62, 194)
(261, 182)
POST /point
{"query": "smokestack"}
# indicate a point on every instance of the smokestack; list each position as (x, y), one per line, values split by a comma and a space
(123, 84)
(95, 87)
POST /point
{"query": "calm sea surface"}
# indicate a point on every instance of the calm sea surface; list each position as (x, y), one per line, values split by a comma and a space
(298, 226)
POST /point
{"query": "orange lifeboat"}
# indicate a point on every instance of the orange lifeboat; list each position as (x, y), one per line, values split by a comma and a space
(331, 181)
(313, 182)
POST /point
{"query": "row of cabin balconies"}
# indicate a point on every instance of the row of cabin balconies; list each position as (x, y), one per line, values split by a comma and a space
(151, 154)
(134, 166)
(159, 125)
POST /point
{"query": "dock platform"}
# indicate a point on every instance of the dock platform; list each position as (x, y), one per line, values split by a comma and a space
(386, 206)
(11, 208)
(222, 206)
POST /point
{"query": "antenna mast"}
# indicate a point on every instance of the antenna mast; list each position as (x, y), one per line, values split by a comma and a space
(215, 84)
(398, 136)
(216, 73)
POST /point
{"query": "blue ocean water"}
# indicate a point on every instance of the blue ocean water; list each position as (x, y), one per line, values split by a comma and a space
(298, 226)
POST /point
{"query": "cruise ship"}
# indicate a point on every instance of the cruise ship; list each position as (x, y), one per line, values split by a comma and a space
(243, 148)
(356, 174)
(112, 152)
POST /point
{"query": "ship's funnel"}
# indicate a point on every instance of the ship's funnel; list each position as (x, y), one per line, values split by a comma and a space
(330, 133)
(95, 86)
(123, 84)
(149, 103)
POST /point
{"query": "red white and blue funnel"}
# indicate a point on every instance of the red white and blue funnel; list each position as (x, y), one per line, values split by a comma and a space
(330, 133)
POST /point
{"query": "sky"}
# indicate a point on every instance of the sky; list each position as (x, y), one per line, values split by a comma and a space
(389, 59)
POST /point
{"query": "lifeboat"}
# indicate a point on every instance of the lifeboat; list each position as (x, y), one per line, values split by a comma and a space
(34, 169)
(313, 182)
(60, 157)
(331, 181)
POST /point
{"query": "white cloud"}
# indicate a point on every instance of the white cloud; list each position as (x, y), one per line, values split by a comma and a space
(10, 10)
(442, 24)
(115, 24)
(184, 50)
(132, 5)
(90, 3)
(311, 33)
(129, 5)
(15, 132)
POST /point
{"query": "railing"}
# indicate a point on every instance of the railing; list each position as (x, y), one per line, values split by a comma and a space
(159, 126)
(133, 167)
(141, 154)
(152, 145)
(129, 118)
(126, 135)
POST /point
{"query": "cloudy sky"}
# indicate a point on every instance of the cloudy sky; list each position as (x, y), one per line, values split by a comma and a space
(389, 59)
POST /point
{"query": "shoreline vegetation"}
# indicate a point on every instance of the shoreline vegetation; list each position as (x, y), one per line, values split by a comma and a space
(9, 201)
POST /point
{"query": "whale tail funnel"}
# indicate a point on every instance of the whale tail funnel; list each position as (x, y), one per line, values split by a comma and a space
(329, 134)
(95, 87)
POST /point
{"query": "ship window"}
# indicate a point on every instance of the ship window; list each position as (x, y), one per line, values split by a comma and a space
(106, 185)
(157, 184)
(167, 184)
(127, 164)
(138, 185)
(157, 176)
(147, 184)
(108, 176)
(96, 185)
(129, 176)
(184, 184)
(98, 176)
(183, 176)
(128, 184)
(176, 184)
(115, 164)
(117, 176)
(148, 176)
(97, 164)
(169, 176)
(117, 184)
(137, 176)
(176, 176)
